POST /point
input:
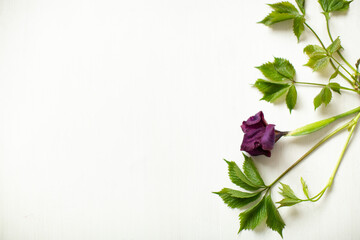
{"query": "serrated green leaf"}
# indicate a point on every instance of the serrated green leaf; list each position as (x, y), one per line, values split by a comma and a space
(327, 95)
(285, 7)
(301, 5)
(334, 46)
(318, 57)
(289, 196)
(314, 50)
(305, 188)
(237, 199)
(275, 17)
(318, 62)
(269, 71)
(274, 220)
(271, 90)
(324, 96)
(251, 218)
(287, 192)
(251, 172)
(285, 68)
(238, 177)
(317, 101)
(240, 194)
(334, 75)
(298, 26)
(334, 5)
(335, 87)
(291, 98)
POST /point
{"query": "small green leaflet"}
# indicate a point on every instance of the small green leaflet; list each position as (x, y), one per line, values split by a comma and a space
(298, 26)
(274, 220)
(318, 57)
(275, 17)
(314, 50)
(269, 71)
(334, 46)
(237, 199)
(334, 5)
(283, 11)
(301, 5)
(238, 177)
(291, 98)
(334, 75)
(251, 218)
(251, 172)
(284, 7)
(305, 188)
(335, 87)
(279, 70)
(324, 96)
(287, 192)
(285, 68)
(271, 90)
(289, 196)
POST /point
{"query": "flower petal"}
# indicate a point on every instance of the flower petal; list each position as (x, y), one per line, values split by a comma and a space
(254, 122)
(268, 139)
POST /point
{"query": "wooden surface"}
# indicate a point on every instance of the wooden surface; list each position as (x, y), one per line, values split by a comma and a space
(115, 117)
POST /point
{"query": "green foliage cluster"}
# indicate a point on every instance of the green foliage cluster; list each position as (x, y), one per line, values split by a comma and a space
(280, 74)
(279, 83)
(254, 196)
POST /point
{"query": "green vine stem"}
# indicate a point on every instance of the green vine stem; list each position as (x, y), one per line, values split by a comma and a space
(332, 40)
(318, 144)
(324, 85)
(352, 125)
(331, 62)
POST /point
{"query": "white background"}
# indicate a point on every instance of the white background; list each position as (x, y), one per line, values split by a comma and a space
(115, 117)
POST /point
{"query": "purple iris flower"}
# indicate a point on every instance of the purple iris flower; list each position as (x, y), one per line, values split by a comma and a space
(260, 137)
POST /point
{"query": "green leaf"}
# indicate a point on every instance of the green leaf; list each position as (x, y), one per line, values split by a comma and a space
(271, 90)
(335, 87)
(289, 196)
(279, 70)
(274, 220)
(287, 202)
(269, 71)
(317, 101)
(305, 188)
(285, 11)
(275, 17)
(334, 5)
(285, 7)
(314, 50)
(334, 46)
(237, 199)
(324, 96)
(250, 218)
(285, 68)
(301, 5)
(327, 95)
(334, 75)
(238, 177)
(287, 192)
(291, 98)
(298, 26)
(251, 171)
(318, 62)
(318, 57)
